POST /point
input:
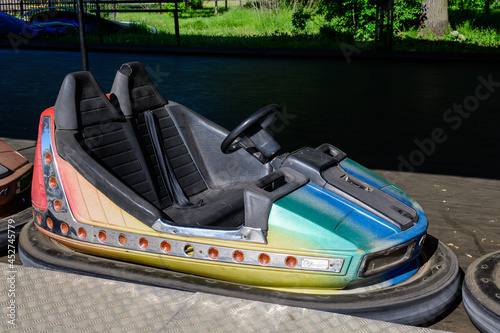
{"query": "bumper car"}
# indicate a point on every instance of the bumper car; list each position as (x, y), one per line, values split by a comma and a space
(15, 180)
(481, 292)
(134, 187)
(15, 184)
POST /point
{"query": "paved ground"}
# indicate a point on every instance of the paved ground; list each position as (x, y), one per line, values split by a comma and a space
(62, 302)
(464, 213)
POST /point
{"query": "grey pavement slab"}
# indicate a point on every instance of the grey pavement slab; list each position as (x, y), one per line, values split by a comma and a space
(464, 213)
(51, 301)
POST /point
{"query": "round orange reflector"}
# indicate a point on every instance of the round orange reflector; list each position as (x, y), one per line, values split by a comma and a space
(238, 256)
(52, 182)
(291, 262)
(264, 259)
(82, 233)
(213, 253)
(143, 243)
(57, 205)
(165, 246)
(64, 228)
(39, 219)
(48, 158)
(102, 236)
(50, 224)
(122, 240)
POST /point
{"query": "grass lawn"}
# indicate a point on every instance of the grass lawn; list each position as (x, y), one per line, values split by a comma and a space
(263, 28)
(240, 27)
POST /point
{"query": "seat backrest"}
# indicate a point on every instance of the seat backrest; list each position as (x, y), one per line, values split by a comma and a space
(135, 91)
(137, 94)
(103, 132)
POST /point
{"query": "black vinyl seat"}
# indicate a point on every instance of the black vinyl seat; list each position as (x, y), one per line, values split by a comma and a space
(95, 138)
(136, 95)
(109, 141)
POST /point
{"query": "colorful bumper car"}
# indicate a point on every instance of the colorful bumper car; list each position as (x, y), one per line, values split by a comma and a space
(134, 187)
(15, 183)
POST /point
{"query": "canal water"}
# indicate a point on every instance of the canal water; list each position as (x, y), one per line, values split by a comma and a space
(423, 116)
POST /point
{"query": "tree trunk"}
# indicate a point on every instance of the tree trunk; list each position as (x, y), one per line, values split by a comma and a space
(435, 13)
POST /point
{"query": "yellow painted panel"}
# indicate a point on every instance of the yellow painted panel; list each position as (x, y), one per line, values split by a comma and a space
(91, 207)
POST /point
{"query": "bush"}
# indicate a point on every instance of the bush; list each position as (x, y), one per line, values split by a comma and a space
(300, 17)
(171, 6)
(196, 4)
(407, 14)
(359, 16)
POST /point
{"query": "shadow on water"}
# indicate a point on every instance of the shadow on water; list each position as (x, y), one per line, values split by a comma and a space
(415, 116)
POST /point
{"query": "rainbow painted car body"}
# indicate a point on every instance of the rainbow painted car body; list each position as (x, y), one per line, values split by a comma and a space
(310, 221)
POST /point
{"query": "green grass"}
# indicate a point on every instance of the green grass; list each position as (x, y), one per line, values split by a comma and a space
(259, 28)
(478, 32)
(236, 27)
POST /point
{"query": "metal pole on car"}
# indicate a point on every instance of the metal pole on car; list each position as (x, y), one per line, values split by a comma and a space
(83, 39)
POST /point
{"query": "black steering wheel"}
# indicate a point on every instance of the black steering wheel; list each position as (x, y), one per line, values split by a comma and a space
(256, 133)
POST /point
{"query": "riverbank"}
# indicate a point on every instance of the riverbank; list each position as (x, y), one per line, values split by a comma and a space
(469, 31)
(349, 52)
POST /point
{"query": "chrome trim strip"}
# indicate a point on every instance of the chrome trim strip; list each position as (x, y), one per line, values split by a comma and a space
(241, 234)
(194, 250)
(56, 193)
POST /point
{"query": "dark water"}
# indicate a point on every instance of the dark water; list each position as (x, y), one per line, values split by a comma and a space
(390, 115)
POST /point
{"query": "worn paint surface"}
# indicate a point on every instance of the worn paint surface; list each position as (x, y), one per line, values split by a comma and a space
(310, 221)
(313, 219)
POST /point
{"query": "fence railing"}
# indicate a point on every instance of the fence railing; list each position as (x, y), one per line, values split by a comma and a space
(23, 8)
(20, 7)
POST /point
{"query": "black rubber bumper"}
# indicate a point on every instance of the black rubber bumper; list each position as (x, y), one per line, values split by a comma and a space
(481, 292)
(10, 225)
(432, 291)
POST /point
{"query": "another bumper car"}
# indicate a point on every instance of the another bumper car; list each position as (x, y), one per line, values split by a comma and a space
(134, 187)
(15, 183)
(481, 292)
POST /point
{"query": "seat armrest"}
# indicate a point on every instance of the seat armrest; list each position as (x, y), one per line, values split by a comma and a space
(260, 195)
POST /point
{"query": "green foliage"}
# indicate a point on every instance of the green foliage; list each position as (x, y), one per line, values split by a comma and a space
(255, 27)
(196, 4)
(476, 18)
(300, 17)
(468, 4)
(171, 6)
(467, 32)
(360, 16)
(472, 30)
(336, 30)
(407, 14)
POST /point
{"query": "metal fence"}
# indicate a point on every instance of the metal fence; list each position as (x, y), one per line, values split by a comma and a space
(20, 7)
